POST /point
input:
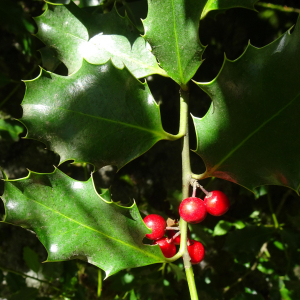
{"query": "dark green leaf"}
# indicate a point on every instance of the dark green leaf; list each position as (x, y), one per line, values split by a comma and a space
(73, 34)
(248, 239)
(226, 4)
(136, 11)
(247, 296)
(171, 28)
(31, 258)
(100, 114)
(180, 275)
(49, 59)
(25, 294)
(73, 221)
(59, 2)
(249, 134)
(4, 80)
(15, 282)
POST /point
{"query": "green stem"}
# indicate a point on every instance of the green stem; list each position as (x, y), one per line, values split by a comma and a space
(276, 225)
(184, 114)
(186, 179)
(278, 7)
(27, 276)
(191, 282)
(198, 176)
(99, 290)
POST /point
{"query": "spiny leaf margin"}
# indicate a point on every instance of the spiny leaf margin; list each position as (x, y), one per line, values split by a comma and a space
(257, 164)
(103, 233)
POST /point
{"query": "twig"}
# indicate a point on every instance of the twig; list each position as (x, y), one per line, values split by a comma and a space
(28, 276)
(18, 85)
(278, 7)
(262, 250)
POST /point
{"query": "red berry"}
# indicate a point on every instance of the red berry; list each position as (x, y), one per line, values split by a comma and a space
(158, 225)
(216, 203)
(196, 251)
(176, 241)
(192, 210)
(168, 249)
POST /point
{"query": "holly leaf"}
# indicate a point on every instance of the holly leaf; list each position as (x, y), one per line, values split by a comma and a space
(176, 43)
(136, 11)
(10, 130)
(249, 134)
(49, 59)
(73, 34)
(31, 259)
(101, 48)
(73, 222)
(226, 4)
(100, 115)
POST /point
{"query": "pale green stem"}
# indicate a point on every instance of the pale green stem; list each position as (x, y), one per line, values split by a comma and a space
(276, 225)
(198, 176)
(99, 290)
(186, 179)
(184, 113)
(278, 7)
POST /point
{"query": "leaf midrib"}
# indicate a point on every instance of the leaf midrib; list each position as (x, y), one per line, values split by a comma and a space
(251, 134)
(91, 228)
(176, 42)
(161, 134)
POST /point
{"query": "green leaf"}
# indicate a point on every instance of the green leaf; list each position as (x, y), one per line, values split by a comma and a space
(171, 28)
(226, 4)
(249, 134)
(100, 115)
(132, 295)
(49, 59)
(10, 130)
(89, 3)
(239, 224)
(73, 221)
(222, 227)
(73, 34)
(31, 258)
(180, 275)
(265, 266)
(101, 48)
(58, 2)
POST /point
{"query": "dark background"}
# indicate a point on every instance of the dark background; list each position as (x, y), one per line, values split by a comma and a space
(154, 181)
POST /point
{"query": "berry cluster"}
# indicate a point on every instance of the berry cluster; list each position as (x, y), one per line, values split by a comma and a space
(193, 210)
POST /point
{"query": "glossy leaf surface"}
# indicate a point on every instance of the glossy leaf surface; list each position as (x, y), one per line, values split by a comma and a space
(67, 29)
(73, 221)
(100, 114)
(250, 133)
(101, 48)
(175, 43)
(226, 4)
